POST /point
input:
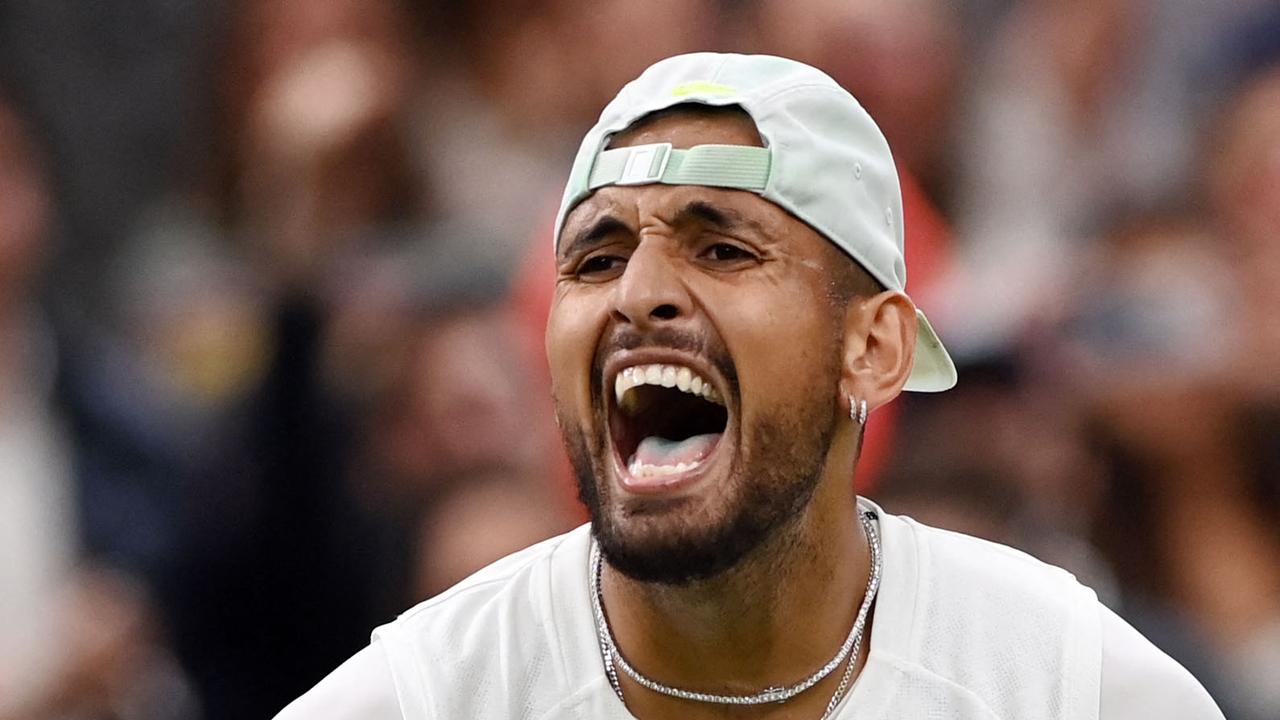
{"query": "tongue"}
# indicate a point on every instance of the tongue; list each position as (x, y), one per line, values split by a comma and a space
(661, 451)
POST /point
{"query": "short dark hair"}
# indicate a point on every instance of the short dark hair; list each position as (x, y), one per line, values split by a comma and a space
(688, 109)
(849, 279)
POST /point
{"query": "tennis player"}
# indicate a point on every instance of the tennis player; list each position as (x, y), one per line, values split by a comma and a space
(729, 311)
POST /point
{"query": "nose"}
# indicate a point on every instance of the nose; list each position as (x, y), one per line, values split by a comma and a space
(650, 291)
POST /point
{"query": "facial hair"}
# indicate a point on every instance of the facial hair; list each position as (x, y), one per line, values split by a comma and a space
(772, 479)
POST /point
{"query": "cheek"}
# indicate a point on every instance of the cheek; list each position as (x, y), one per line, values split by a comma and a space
(573, 331)
(785, 350)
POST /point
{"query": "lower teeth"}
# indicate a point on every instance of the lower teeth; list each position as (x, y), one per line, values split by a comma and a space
(639, 469)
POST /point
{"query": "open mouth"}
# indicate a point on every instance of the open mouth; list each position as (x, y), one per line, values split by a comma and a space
(666, 421)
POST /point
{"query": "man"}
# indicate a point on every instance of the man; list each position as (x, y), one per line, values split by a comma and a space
(729, 309)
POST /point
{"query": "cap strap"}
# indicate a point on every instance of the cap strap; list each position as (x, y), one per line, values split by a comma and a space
(741, 167)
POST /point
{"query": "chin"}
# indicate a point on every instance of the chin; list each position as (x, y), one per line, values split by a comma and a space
(669, 553)
(679, 540)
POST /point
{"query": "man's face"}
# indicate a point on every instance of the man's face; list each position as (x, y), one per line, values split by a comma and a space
(695, 347)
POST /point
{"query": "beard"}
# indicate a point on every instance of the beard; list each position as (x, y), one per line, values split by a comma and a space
(771, 480)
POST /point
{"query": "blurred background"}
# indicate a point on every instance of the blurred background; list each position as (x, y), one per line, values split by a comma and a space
(273, 275)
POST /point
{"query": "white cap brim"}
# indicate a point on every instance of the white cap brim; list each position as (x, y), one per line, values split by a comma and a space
(933, 370)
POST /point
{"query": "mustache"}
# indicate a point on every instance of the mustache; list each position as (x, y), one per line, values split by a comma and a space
(667, 338)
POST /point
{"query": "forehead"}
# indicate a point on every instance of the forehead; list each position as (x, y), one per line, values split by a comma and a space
(687, 127)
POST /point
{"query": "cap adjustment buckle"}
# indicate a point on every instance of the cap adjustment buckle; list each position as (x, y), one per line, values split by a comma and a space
(645, 164)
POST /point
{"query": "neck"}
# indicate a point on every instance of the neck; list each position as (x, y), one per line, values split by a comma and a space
(769, 622)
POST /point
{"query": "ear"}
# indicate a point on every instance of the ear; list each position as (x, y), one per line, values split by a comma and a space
(879, 347)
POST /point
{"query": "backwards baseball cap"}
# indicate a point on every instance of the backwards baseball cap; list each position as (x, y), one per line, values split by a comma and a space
(824, 161)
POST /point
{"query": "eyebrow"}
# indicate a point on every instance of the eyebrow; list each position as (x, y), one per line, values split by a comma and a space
(721, 218)
(603, 227)
(696, 211)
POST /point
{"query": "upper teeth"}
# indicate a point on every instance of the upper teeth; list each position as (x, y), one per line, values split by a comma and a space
(675, 376)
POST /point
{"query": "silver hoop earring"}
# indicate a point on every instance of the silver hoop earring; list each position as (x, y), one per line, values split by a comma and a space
(858, 411)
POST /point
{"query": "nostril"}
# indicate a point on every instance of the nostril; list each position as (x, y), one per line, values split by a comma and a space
(665, 311)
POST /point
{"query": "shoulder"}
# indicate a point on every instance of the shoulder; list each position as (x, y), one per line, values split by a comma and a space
(460, 653)
(1138, 680)
(506, 642)
(1025, 638)
(360, 689)
(523, 582)
(954, 556)
(993, 575)
(973, 618)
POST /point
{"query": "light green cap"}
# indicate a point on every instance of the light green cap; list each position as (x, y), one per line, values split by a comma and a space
(824, 161)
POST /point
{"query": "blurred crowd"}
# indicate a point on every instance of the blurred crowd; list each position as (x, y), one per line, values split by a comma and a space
(273, 275)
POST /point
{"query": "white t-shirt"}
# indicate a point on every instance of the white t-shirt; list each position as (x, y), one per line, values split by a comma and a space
(963, 628)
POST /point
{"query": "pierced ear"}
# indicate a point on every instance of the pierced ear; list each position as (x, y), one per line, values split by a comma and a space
(879, 347)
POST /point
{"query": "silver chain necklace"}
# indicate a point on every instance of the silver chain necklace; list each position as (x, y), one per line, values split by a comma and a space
(613, 657)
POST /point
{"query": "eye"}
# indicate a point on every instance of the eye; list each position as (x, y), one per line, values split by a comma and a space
(726, 253)
(601, 267)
